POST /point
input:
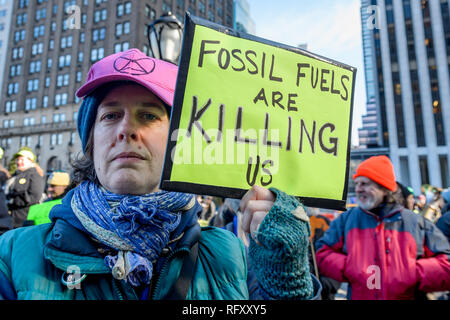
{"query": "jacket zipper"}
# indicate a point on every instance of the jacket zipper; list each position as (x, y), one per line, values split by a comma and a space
(163, 268)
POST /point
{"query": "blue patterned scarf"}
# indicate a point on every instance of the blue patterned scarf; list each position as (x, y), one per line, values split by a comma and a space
(138, 227)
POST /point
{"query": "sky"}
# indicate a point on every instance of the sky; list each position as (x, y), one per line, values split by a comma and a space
(330, 28)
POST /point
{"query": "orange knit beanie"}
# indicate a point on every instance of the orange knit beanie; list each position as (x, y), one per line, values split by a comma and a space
(378, 169)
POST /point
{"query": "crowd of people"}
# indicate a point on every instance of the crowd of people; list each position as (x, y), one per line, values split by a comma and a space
(116, 235)
(392, 245)
(25, 197)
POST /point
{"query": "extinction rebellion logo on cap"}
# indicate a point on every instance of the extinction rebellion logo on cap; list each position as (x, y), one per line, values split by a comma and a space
(136, 67)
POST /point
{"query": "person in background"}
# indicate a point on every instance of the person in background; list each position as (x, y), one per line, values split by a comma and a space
(208, 211)
(319, 224)
(26, 189)
(434, 205)
(444, 221)
(407, 196)
(365, 245)
(5, 218)
(57, 184)
(57, 187)
(12, 165)
(229, 217)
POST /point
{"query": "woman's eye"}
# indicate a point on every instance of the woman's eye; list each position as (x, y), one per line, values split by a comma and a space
(110, 116)
(148, 116)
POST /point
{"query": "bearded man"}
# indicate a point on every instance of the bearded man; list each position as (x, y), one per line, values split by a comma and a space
(383, 250)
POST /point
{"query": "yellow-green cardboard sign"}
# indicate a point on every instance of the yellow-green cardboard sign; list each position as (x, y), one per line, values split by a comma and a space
(249, 111)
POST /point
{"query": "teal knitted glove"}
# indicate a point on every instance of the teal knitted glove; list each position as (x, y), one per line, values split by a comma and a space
(280, 261)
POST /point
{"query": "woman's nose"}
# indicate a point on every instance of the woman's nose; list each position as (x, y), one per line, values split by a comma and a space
(127, 129)
(127, 135)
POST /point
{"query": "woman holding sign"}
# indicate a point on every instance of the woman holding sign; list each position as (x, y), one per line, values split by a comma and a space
(117, 236)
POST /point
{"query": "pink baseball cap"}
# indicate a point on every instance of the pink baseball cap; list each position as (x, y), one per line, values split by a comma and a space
(156, 75)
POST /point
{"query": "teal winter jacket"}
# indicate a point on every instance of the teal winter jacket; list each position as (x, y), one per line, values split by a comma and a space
(35, 261)
(59, 260)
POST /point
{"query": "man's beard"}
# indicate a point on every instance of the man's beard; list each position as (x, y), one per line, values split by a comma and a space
(368, 204)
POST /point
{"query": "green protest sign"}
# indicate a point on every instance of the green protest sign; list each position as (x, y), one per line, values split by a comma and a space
(250, 111)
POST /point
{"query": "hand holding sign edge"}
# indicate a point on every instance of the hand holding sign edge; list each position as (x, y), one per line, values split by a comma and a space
(255, 205)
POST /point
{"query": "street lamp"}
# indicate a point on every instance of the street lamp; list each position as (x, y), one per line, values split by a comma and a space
(37, 148)
(164, 36)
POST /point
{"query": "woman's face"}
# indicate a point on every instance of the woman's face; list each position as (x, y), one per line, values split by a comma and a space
(130, 134)
(410, 201)
(23, 163)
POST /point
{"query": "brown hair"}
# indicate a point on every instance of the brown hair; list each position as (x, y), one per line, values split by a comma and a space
(83, 165)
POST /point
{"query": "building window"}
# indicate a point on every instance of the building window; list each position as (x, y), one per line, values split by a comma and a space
(37, 48)
(66, 42)
(64, 98)
(53, 139)
(10, 106)
(28, 122)
(64, 61)
(97, 54)
(15, 70)
(166, 7)
(100, 15)
(423, 165)
(119, 28)
(30, 104)
(23, 4)
(435, 94)
(35, 66)
(126, 27)
(59, 117)
(118, 47)
(13, 88)
(39, 31)
(61, 99)
(119, 10)
(128, 7)
(98, 34)
(404, 171)
(59, 81)
(445, 175)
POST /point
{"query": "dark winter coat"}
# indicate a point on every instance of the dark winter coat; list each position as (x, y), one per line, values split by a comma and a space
(25, 191)
(5, 218)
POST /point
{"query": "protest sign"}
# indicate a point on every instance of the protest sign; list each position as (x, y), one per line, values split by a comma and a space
(251, 111)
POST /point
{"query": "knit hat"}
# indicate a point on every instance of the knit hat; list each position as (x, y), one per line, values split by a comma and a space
(157, 76)
(59, 179)
(406, 191)
(25, 153)
(378, 169)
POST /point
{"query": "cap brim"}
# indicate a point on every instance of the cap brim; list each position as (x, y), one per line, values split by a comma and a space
(164, 94)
